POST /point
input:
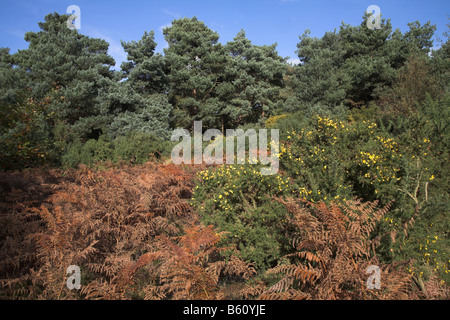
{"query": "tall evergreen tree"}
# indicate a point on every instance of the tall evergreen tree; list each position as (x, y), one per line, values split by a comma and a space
(11, 79)
(354, 65)
(145, 71)
(79, 66)
(255, 74)
(320, 77)
(141, 100)
(440, 63)
(196, 62)
(224, 86)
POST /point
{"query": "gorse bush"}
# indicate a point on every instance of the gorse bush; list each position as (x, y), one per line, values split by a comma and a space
(238, 199)
(422, 199)
(329, 159)
(332, 160)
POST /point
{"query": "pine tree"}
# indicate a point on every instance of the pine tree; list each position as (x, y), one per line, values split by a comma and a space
(11, 79)
(141, 101)
(145, 71)
(255, 74)
(355, 65)
(79, 66)
(150, 115)
(319, 76)
(196, 61)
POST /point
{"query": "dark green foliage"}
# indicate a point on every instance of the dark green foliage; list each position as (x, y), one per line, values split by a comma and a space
(145, 71)
(77, 65)
(239, 200)
(255, 77)
(404, 159)
(224, 86)
(11, 79)
(134, 148)
(87, 153)
(422, 203)
(319, 77)
(355, 64)
(196, 61)
(150, 115)
(141, 147)
(26, 133)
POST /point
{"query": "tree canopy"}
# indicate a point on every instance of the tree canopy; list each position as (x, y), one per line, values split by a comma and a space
(225, 85)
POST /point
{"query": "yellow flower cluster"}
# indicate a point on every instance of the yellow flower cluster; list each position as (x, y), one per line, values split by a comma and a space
(384, 173)
(303, 192)
(430, 254)
(282, 184)
(368, 158)
(391, 221)
(228, 180)
(380, 161)
(273, 119)
(411, 271)
(372, 125)
(325, 122)
(388, 143)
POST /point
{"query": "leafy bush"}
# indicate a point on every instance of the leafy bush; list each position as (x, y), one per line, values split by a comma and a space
(334, 160)
(133, 148)
(270, 122)
(88, 153)
(25, 134)
(140, 148)
(237, 199)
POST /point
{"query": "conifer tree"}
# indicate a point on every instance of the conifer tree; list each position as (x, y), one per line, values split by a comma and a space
(256, 74)
(146, 71)
(355, 65)
(11, 79)
(142, 104)
(77, 65)
(196, 61)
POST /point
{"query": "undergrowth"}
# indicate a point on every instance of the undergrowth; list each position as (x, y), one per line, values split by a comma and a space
(134, 235)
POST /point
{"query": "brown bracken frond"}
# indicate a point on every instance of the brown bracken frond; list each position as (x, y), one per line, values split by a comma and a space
(333, 249)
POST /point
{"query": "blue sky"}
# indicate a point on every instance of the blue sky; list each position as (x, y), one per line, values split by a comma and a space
(265, 21)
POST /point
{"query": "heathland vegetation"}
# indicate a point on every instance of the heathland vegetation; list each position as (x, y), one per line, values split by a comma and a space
(87, 178)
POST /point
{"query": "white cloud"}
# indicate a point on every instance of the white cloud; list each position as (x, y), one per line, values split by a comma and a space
(166, 45)
(16, 33)
(174, 15)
